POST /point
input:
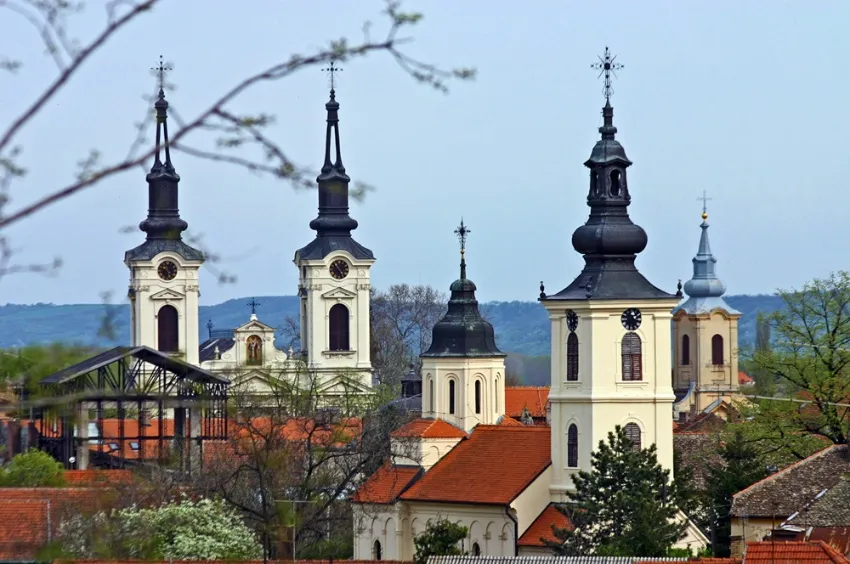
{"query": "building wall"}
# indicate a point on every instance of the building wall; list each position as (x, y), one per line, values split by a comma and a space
(751, 529)
(600, 399)
(438, 372)
(533, 500)
(152, 293)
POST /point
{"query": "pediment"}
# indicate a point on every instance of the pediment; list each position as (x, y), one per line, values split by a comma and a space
(255, 326)
(167, 294)
(339, 294)
(342, 385)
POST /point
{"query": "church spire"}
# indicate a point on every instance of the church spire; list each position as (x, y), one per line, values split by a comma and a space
(333, 219)
(163, 221)
(705, 283)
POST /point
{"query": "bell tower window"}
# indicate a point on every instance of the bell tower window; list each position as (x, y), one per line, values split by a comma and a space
(451, 397)
(338, 328)
(167, 326)
(572, 446)
(572, 357)
(717, 350)
(615, 183)
(594, 183)
(686, 350)
(630, 350)
(633, 434)
(478, 396)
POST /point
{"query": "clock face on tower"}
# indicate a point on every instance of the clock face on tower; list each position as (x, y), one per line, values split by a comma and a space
(572, 320)
(167, 270)
(339, 269)
(631, 319)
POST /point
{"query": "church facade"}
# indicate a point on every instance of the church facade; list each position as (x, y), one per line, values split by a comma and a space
(610, 366)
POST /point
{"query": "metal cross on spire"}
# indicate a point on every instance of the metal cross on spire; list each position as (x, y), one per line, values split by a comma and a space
(253, 305)
(607, 65)
(462, 233)
(160, 70)
(704, 199)
(332, 69)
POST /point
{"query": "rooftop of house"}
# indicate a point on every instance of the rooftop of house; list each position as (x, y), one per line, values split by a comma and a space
(702, 423)
(429, 429)
(696, 452)
(387, 484)
(532, 397)
(542, 527)
(787, 491)
(830, 508)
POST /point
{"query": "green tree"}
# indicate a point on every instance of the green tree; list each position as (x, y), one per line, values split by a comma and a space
(22, 369)
(809, 357)
(625, 506)
(440, 538)
(741, 467)
(32, 469)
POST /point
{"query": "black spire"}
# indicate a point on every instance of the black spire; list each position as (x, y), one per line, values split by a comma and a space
(609, 240)
(163, 224)
(333, 225)
(462, 332)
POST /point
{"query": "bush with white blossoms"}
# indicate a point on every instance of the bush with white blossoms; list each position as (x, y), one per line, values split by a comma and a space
(183, 530)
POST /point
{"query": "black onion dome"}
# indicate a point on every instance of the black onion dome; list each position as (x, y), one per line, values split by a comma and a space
(462, 332)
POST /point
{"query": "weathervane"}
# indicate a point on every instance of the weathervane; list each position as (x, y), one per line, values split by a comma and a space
(253, 305)
(331, 70)
(704, 199)
(462, 232)
(607, 66)
(160, 70)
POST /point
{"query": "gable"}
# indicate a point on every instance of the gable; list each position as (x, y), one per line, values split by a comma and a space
(339, 294)
(255, 326)
(167, 294)
(342, 384)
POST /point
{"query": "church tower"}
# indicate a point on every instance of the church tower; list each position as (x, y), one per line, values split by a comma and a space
(334, 283)
(463, 370)
(610, 327)
(163, 289)
(705, 328)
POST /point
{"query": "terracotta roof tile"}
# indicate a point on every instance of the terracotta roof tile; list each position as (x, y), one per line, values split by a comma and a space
(385, 485)
(787, 491)
(532, 397)
(97, 477)
(697, 451)
(542, 527)
(430, 429)
(816, 552)
(702, 423)
(509, 421)
(829, 509)
(493, 466)
(744, 379)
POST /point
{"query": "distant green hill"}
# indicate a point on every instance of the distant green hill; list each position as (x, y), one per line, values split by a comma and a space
(522, 328)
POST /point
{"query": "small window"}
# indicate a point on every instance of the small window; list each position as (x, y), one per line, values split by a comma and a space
(376, 550)
(572, 357)
(686, 350)
(478, 396)
(572, 446)
(451, 397)
(717, 350)
(594, 183)
(113, 446)
(476, 549)
(431, 394)
(631, 353)
(134, 445)
(338, 328)
(167, 324)
(615, 183)
(633, 434)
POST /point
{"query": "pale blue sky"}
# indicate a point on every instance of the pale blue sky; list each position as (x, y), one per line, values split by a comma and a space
(743, 99)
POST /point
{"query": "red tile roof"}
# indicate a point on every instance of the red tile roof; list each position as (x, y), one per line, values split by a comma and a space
(300, 561)
(430, 429)
(508, 421)
(97, 477)
(815, 552)
(542, 527)
(532, 397)
(385, 485)
(744, 379)
(493, 466)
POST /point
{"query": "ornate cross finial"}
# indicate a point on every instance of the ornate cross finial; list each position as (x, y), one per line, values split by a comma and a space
(462, 233)
(331, 70)
(253, 305)
(607, 66)
(704, 199)
(160, 70)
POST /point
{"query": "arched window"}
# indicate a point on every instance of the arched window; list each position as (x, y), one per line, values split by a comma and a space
(254, 345)
(633, 434)
(431, 394)
(630, 350)
(451, 397)
(572, 357)
(376, 550)
(338, 320)
(615, 183)
(594, 183)
(167, 329)
(572, 446)
(476, 549)
(686, 350)
(478, 396)
(717, 350)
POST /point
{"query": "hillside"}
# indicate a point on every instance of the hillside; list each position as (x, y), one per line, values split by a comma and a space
(521, 327)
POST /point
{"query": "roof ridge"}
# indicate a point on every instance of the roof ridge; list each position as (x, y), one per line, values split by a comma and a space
(787, 469)
(527, 387)
(494, 427)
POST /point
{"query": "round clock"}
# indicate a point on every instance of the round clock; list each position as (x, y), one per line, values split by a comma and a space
(167, 270)
(631, 319)
(339, 269)
(572, 320)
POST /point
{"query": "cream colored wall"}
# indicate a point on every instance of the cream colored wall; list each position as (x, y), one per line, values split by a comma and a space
(152, 293)
(396, 526)
(465, 372)
(533, 500)
(323, 292)
(600, 399)
(751, 529)
(712, 381)
(416, 451)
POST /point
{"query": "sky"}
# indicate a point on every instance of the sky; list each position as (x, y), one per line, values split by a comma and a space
(745, 100)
